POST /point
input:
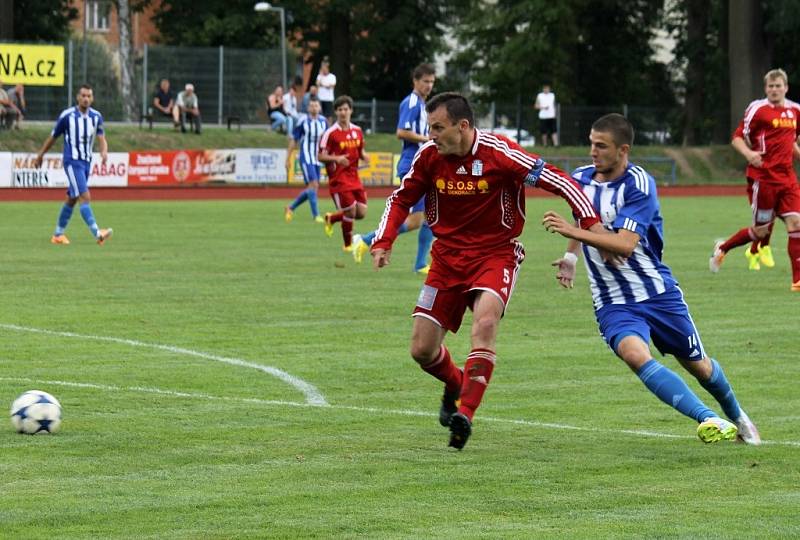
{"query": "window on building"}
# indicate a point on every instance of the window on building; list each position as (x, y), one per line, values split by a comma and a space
(98, 15)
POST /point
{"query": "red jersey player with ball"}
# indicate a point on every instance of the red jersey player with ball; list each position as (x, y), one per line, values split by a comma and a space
(341, 150)
(767, 137)
(474, 188)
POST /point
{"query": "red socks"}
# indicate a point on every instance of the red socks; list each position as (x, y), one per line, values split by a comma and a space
(347, 230)
(477, 374)
(739, 239)
(794, 255)
(445, 370)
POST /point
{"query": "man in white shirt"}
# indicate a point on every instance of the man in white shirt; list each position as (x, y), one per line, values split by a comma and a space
(326, 82)
(546, 105)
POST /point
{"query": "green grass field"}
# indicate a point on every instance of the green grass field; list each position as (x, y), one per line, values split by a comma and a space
(162, 347)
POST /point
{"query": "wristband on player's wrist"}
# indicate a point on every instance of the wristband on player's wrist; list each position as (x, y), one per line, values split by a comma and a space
(570, 257)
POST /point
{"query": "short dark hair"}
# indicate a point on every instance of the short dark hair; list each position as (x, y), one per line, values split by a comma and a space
(618, 126)
(457, 106)
(341, 100)
(422, 70)
(314, 98)
(86, 86)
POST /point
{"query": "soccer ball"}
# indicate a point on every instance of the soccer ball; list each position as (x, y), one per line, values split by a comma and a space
(36, 412)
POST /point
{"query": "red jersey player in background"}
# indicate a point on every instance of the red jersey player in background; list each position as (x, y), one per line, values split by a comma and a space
(767, 137)
(474, 188)
(341, 150)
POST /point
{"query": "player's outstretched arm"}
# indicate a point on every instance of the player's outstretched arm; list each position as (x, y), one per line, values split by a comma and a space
(380, 258)
(621, 243)
(37, 161)
(565, 266)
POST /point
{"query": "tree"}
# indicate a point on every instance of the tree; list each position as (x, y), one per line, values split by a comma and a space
(43, 20)
(126, 59)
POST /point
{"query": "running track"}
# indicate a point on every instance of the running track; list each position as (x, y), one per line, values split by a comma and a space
(282, 192)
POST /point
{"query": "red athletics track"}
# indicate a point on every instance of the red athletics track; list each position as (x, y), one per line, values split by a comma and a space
(282, 192)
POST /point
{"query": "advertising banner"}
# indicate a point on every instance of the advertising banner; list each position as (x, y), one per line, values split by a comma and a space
(51, 174)
(175, 167)
(34, 65)
(5, 169)
(261, 166)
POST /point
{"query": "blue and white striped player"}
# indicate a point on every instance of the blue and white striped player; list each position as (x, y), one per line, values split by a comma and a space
(80, 125)
(412, 129)
(635, 296)
(306, 136)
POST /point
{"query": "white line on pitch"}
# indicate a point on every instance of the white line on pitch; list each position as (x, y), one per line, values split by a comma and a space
(313, 396)
(371, 410)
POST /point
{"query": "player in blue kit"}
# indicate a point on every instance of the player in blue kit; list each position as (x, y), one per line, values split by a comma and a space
(306, 136)
(635, 296)
(412, 129)
(80, 125)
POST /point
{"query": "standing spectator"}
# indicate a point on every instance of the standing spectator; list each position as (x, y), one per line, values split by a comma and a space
(412, 129)
(341, 150)
(291, 104)
(326, 81)
(79, 125)
(313, 91)
(307, 136)
(275, 110)
(766, 137)
(636, 297)
(546, 105)
(187, 106)
(9, 112)
(475, 187)
(164, 100)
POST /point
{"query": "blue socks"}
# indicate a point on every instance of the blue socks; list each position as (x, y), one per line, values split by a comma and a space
(88, 217)
(312, 200)
(369, 238)
(719, 387)
(673, 391)
(299, 200)
(424, 241)
(63, 219)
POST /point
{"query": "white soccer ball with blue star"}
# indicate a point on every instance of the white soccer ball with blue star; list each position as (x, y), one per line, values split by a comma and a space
(36, 412)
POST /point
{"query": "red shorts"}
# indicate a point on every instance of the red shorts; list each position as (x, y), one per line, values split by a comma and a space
(347, 199)
(769, 200)
(457, 275)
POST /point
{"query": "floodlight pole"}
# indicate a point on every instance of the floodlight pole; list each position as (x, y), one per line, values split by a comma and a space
(266, 6)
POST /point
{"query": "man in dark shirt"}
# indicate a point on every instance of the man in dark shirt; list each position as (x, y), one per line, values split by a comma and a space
(163, 99)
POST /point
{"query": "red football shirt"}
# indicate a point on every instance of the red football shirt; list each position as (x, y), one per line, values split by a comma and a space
(477, 201)
(338, 141)
(771, 131)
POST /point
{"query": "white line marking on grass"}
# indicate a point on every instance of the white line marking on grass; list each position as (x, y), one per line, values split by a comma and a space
(313, 396)
(371, 410)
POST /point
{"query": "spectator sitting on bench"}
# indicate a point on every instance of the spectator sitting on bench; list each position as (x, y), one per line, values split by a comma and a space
(275, 110)
(9, 112)
(187, 106)
(164, 101)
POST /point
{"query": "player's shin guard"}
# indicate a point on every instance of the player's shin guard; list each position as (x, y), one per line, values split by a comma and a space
(794, 255)
(347, 230)
(672, 390)
(740, 238)
(445, 370)
(477, 374)
(719, 387)
(88, 217)
(424, 241)
(63, 219)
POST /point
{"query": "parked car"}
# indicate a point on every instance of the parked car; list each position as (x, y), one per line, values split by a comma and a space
(526, 139)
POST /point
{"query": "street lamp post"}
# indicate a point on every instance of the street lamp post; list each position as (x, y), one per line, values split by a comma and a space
(266, 6)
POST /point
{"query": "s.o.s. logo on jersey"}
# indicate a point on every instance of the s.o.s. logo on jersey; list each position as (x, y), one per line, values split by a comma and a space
(462, 187)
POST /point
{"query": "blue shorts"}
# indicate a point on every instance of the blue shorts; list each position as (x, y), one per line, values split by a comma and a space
(310, 172)
(77, 177)
(664, 318)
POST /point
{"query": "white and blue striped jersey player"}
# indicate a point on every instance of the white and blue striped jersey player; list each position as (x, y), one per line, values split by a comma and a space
(643, 280)
(79, 130)
(307, 134)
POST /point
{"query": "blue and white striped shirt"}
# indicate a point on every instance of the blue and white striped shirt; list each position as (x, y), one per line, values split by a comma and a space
(414, 118)
(629, 202)
(79, 132)
(308, 133)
